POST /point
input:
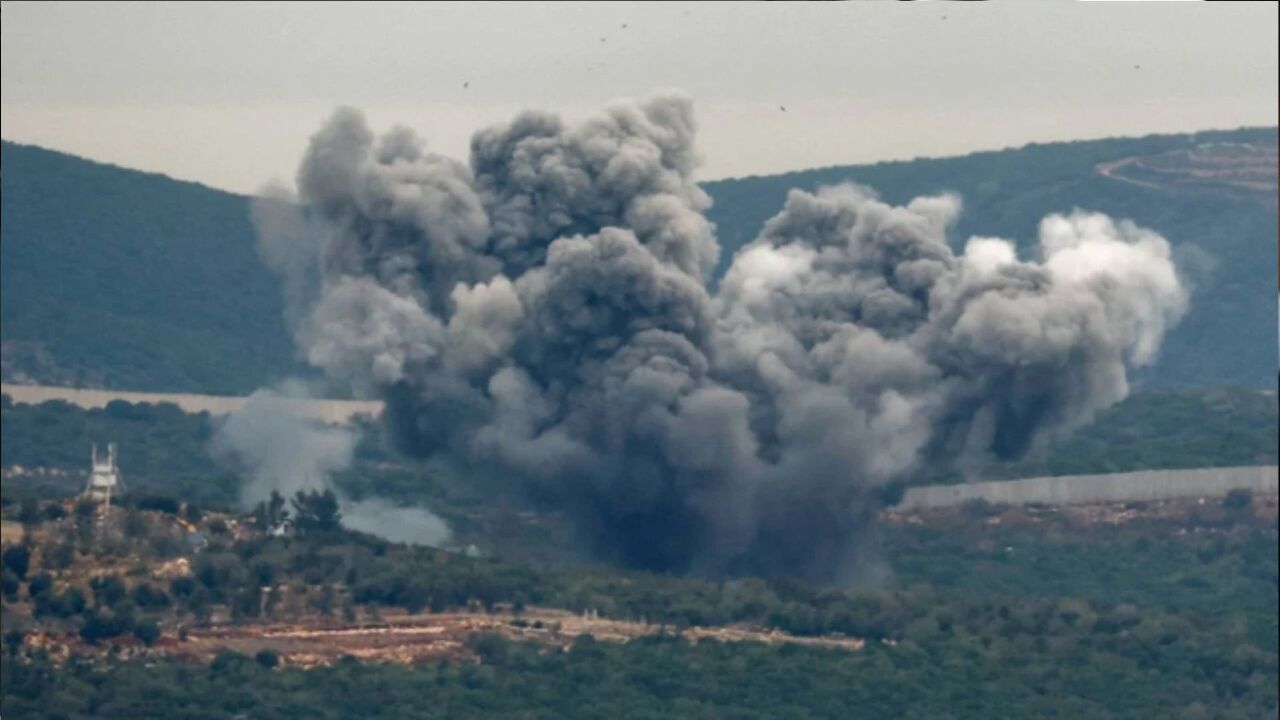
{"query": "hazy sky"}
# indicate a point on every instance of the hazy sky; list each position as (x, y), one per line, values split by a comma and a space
(228, 94)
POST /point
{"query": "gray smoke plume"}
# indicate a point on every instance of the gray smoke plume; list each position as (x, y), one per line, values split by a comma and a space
(285, 246)
(542, 314)
(281, 451)
(409, 525)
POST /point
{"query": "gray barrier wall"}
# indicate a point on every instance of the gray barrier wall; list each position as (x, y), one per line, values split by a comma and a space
(1084, 489)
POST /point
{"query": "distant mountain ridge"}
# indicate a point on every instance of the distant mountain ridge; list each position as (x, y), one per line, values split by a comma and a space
(116, 278)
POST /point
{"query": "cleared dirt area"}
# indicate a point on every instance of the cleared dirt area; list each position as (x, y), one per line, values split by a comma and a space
(402, 638)
(330, 411)
(10, 532)
(1231, 168)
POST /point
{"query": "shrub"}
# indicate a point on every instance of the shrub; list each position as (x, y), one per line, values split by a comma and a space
(147, 631)
(40, 584)
(107, 590)
(146, 596)
(267, 658)
(491, 647)
(227, 660)
(61, 556)
(29, 512)
(979, 509)
(182, 586)
(158, 503)
(14, 638)
(10, 583)
(71, 602)
(1238, 500)
(17, 560)
(101, 626)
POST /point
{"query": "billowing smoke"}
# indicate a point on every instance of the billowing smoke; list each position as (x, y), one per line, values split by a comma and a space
(410, 525)
(277, 449)
(541, 314)
(280, 450)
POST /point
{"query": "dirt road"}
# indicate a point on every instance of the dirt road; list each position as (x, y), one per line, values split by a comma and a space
(403, 638)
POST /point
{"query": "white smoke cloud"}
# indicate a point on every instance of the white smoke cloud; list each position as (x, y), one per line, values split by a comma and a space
(409, 525)
(277, 448)
(280, 450)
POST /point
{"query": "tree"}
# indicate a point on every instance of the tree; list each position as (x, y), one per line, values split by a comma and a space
(29, 513)
(267, 658)
(227, 661)
(146, 596)
(324, 602)
(182, 586)
(100, 626)
(492, 648)
(61, 555)
(159, 503)
(39, 585)
(199, 603)
(135, 523)
(9, 583)
(147, 631)
(271, 514)
(108, 590)
(85, 508)
(17, 560)
(13, 640)
(71, 602)
(316, 512)
(1238, 500)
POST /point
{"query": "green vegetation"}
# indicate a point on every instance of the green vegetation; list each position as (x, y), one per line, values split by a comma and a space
(1221, 427)
(164, 451)
(1154, 618)
(1166, 618)
(1133, 672)
(116, 278)
(1214, 568)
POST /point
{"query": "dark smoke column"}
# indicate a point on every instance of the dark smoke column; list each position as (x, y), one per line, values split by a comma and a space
(541, 314)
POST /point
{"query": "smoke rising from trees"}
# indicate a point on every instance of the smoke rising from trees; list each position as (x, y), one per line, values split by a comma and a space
(280, 451)
(542, 313)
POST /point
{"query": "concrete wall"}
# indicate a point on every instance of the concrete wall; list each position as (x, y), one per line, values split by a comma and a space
(330, 411)
(1083, 489)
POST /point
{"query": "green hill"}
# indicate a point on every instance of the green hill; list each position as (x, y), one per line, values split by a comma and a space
(122, 279)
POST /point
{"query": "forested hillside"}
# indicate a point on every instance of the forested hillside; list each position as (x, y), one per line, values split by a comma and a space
(121, 279)
(1171, 617)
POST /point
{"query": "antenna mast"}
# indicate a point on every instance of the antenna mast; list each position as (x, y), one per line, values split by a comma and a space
(104, 478)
